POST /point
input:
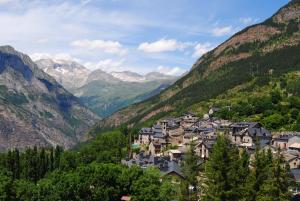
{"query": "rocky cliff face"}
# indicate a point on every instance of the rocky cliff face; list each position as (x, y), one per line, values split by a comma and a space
(34, 108)
(268, 47)
(69, 74)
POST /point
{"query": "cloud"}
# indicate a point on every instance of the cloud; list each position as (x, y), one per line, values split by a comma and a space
(5, 1)
(202, 48)
(54, 57)
(222, 31)
(174, 71)
(107, 65)
(112, 47)
(248, 20)
(163, 45)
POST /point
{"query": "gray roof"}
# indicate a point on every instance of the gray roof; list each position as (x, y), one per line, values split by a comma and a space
(146, 131)
(259, 132)
(209, 143)
(159, 135)
(164, 164)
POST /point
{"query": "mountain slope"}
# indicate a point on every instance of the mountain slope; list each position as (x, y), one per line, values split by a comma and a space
(105, 97)
(34, 108)
(267, 49)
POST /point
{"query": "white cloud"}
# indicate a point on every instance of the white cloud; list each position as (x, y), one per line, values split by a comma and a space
(112, 47)
(163, 45)
(55, 57)
(5, 1)
(174, 71)
(107, 65)
(247, 20)
(202, 48)
(222, 31)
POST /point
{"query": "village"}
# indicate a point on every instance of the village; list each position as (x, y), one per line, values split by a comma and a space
(165, 144)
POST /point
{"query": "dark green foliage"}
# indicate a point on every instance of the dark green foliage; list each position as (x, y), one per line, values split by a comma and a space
(269, 179)
(225, 173)
(106, 148)
(191, 165)
(32, 164)
(228, 176)
(276, 106)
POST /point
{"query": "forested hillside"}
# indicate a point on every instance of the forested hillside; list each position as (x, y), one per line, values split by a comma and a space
(267, 49)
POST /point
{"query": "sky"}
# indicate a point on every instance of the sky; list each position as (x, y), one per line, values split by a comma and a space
(137, 35)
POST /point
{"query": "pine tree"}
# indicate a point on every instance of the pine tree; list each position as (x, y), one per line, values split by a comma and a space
(17, 168)
(57, 155)
(262, 166)
(35, 165)
(225, 172)
(42, 163)
(51, 159)
(276, 187)
(190, 165)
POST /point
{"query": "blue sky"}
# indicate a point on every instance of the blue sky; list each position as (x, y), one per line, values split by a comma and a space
(136, 35)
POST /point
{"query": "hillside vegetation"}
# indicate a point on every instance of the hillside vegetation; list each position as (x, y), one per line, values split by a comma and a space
(267, 49)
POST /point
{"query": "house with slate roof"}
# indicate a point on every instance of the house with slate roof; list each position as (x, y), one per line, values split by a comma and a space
(248, 133)
(145, 136)
(166, 166)
(204, 148)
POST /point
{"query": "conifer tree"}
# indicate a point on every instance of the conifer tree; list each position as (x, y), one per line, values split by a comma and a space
(276, 186)
(225, 172)
(191, 169)
(57, 155)
(17, 168)
(51, 159)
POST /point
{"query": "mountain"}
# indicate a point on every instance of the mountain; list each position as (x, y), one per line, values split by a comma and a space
(105, 97)
(268, 49)
(34, 108)
(105, 93)
(103, 76)
(128, 76)
(70, 74)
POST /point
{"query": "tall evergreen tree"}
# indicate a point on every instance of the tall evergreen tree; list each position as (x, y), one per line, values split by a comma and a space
(57, 155)
(17, 168)
(225, 172)
(261, 167)
(276, 186)
(51, 159)
(191, 169)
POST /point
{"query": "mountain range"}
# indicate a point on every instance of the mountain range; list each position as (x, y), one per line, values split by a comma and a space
(35, 109)
(267, 49)
(103, 92)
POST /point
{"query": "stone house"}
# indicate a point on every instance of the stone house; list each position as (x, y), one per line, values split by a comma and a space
(188, 120)
(204, 148)
(294, 143)
(248, 133)
(145, 136)
(292, 158)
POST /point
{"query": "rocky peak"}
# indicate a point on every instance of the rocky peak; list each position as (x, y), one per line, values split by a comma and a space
(289, 12)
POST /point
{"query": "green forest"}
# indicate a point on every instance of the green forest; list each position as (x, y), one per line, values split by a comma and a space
(93, 172)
